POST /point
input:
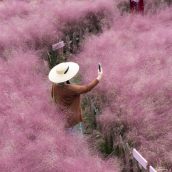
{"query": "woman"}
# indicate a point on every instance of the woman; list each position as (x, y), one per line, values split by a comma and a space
(68, 95)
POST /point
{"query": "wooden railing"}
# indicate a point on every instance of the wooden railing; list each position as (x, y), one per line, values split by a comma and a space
(133, 160)
(71, 43)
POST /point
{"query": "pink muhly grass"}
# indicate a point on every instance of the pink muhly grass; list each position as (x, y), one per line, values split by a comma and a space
(132, 57)
(136, 59)
(32, 135)
(39, 23)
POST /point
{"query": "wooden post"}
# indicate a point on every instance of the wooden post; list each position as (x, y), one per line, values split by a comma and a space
(113, 138)
(61, 53)
(93, 108)
(121, 146)
(109, 139)
(67, 46)
(127, 158)
(81, 33)
(87, 31)
(99, 28)
(74, 42)
(120, 138)
(135, 165)
(49, 56)
(58, 52)
(97, 123)
(77, 35)
(94, 30)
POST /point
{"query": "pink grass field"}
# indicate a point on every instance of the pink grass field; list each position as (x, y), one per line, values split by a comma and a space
(32, 136)
(136, 58)
(37, 24)
(135, 55)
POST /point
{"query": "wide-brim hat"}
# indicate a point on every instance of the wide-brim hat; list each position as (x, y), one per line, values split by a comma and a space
(63, 72)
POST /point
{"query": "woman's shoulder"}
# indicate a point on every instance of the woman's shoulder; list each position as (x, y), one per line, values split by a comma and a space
(72, 88)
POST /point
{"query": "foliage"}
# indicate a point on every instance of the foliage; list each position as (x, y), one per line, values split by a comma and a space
(135, 55)
(32, 128)
(134, 94)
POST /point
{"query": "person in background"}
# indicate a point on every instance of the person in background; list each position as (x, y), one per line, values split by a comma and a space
(137, 6)
(68, 95)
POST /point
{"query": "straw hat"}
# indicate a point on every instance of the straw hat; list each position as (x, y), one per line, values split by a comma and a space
(63, 72)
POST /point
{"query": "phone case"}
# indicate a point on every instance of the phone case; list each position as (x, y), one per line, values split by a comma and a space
(99, 67)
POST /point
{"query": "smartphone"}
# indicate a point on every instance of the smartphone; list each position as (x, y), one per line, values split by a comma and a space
(99, 67)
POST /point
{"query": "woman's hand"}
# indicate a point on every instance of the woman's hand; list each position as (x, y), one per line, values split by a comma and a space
(100, 74)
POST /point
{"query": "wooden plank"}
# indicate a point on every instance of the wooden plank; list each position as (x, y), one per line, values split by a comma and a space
(151, 169)
(58, 46)
(141, 168)
(140, 159)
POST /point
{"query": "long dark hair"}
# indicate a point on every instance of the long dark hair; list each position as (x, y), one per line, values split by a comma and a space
(67, 82)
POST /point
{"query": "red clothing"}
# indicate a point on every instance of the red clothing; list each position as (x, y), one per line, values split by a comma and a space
(137, 6)
(68, 97)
